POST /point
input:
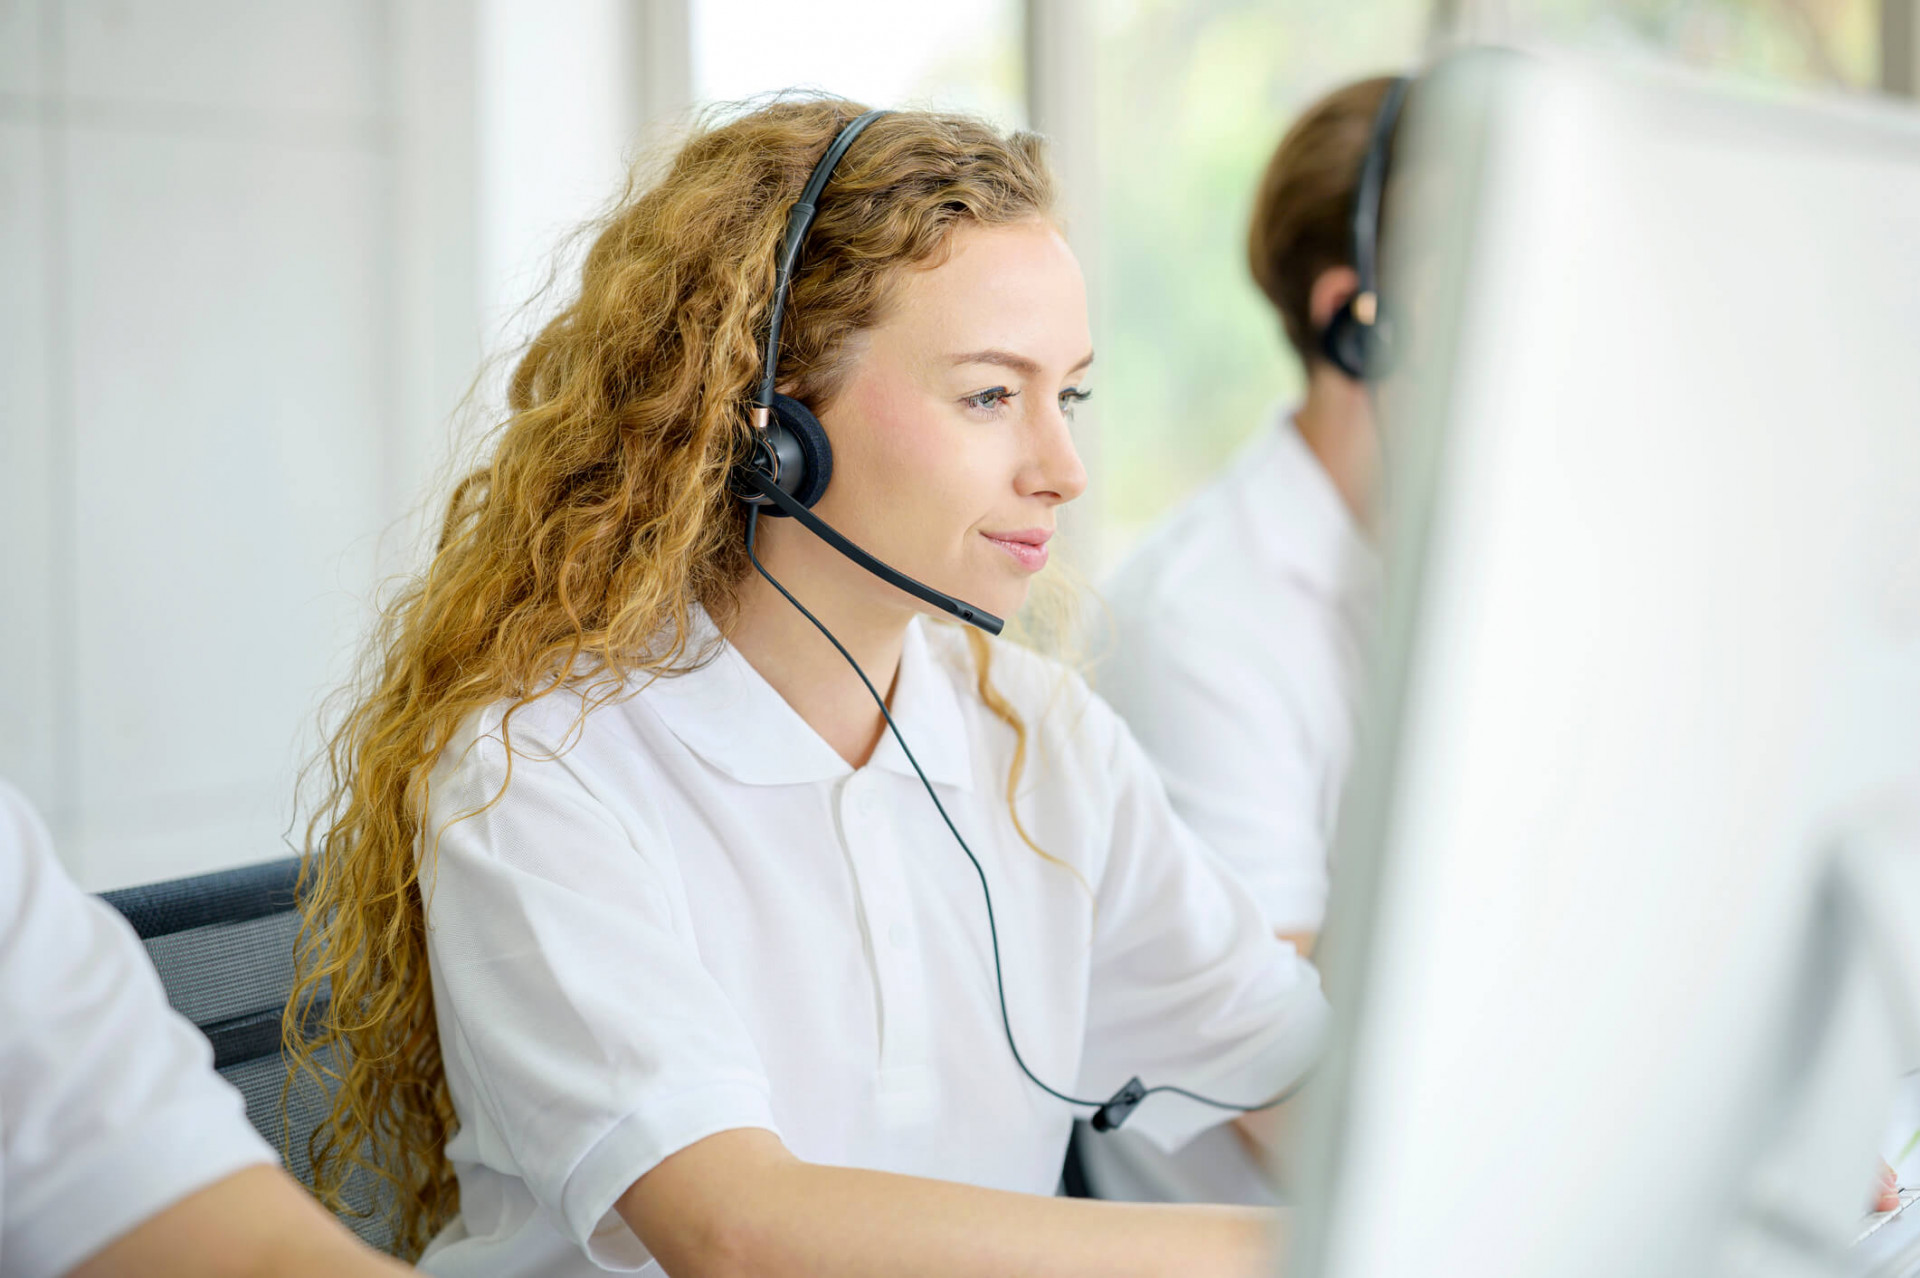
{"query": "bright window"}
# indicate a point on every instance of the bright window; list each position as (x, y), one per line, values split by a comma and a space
(1824, 42)
(961, 55)
(1193, 99)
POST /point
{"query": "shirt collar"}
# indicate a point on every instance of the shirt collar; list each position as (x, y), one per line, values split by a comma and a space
(927, 709)
(726, 713)
(1305, 522)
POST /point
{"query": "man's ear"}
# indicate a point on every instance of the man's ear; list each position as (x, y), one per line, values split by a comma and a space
(1331, 289)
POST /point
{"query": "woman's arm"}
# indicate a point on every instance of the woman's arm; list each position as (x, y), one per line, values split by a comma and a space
(255, 1223)
(739, 1205)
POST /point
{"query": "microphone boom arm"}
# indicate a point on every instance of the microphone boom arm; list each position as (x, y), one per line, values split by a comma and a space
(765, 487)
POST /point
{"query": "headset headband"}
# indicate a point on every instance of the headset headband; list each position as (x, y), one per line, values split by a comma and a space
(799, 219)
(1367, 195)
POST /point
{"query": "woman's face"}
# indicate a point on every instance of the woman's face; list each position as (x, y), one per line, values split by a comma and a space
(950, 436)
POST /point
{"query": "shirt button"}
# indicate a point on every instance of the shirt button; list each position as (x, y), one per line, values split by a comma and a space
(899, 934)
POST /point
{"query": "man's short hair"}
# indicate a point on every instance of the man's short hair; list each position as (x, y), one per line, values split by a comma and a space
(1302, 223)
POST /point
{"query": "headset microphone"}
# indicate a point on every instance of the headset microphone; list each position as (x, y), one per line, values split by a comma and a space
(786, 474)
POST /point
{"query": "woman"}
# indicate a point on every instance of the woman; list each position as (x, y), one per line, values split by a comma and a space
(642, 941)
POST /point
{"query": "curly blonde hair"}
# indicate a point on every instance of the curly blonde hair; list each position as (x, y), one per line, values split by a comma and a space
(600, 517)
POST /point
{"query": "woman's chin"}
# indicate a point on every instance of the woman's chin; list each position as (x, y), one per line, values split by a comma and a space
(1003, 598)
(1000, 589)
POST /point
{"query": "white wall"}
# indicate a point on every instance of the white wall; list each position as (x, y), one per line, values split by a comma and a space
(558, 116)
(235, 302)
(252, 256)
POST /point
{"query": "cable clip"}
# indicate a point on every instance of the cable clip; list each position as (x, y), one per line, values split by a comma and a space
(1119, 1106)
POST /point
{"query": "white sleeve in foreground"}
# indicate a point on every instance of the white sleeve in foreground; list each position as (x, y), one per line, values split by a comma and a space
(583, 1034)
(1189, 985)
(110, 1110)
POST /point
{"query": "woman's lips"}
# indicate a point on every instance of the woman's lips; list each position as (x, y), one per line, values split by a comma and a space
(1028, 547)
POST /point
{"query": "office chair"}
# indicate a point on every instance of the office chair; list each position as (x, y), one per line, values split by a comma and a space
(223, 944)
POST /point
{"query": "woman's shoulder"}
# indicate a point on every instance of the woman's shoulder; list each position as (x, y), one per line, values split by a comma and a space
(567, 755)
(568, 723)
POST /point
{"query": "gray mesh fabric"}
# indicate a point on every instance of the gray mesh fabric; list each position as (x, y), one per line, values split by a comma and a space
(223, 945)
(263, 1082)
(218, 972)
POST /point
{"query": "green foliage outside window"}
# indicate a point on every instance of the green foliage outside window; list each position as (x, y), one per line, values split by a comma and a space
(1193, 96)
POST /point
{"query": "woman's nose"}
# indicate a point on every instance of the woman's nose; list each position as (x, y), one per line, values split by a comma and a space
(1054, 469)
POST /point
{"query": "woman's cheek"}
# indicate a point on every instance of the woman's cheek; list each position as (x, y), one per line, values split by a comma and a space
(889, 429)
(927, 452)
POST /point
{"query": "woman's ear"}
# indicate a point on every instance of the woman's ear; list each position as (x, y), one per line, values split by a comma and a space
(1331, 289)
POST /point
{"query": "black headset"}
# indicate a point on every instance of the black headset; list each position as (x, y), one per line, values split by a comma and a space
(1359, 337)
(786, 474)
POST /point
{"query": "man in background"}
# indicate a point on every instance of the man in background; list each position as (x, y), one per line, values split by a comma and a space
(1240, 624)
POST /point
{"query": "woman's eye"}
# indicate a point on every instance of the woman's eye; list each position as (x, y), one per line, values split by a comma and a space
(1071, 396)
(988, 400)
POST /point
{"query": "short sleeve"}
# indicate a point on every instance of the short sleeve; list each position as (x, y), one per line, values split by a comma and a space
(584, 1038)
(110, 1110)
(1245, 723)
(1189, 984)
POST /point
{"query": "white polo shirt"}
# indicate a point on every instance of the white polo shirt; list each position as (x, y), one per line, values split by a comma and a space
(109, 1107)
(691, 916)
(1239, 630)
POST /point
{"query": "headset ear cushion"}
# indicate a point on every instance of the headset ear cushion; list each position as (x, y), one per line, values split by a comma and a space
(1344, 342)
(816, 454)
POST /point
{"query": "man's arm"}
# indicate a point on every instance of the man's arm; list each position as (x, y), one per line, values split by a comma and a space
(257, 1222)
(1265, 1134)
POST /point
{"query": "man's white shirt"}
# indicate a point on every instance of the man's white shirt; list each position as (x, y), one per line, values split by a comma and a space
(688, 914)
(1238, 636)
(110, 1110)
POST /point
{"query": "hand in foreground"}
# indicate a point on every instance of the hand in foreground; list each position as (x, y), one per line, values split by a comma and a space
(1887, 1191)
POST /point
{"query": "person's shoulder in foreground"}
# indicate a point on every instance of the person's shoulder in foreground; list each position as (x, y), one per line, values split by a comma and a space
(121, 1151)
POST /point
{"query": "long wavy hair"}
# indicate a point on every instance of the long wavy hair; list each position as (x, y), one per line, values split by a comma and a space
(576, 551)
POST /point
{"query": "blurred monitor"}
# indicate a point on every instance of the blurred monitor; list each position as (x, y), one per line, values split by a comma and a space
(1614, 943)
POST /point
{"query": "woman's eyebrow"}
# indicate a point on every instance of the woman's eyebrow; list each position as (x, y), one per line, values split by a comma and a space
(1018, 363)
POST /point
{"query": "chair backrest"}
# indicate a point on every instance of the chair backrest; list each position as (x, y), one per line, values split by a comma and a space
(223, 945)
